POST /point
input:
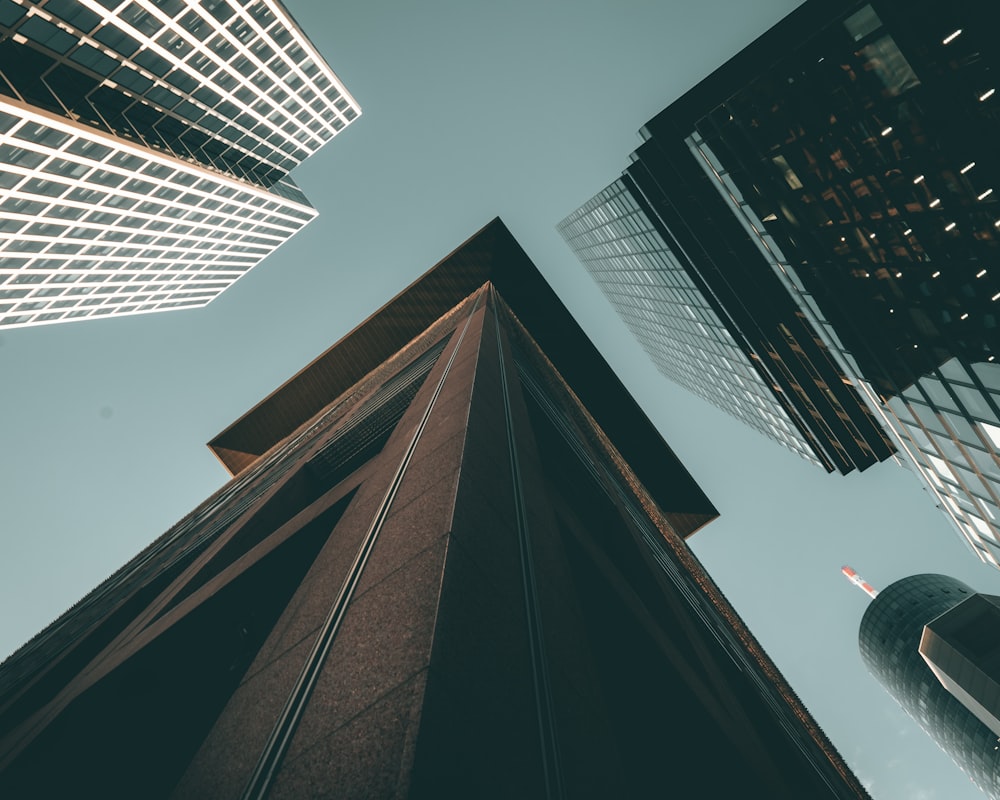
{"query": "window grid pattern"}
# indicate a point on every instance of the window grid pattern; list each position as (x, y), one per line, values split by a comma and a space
(869, 156)
(669, 316)
(888, 217)
(91, 226)
(951, 420)
(768, 247)
(962, 471)
(238, 71)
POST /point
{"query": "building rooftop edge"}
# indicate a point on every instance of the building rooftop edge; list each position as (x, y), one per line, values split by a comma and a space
(490, 255)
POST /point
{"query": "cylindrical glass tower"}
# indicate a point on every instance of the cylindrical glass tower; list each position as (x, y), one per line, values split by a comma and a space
(889, 640)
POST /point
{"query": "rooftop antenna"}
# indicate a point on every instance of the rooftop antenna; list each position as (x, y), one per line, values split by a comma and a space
(858, 581)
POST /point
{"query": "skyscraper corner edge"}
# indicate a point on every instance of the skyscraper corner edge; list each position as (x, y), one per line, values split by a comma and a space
(492, 255)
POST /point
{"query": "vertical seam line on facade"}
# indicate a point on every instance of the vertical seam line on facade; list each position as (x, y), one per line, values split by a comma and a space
(284, 729)
(539, 665)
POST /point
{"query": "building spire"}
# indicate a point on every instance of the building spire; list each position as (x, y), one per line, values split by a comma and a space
(857, 580)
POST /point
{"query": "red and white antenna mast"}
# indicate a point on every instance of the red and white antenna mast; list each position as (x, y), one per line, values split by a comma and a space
(858, 581)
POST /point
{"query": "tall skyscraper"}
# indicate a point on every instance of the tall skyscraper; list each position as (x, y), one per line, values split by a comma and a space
(728, 333)
(845, 161)
(890, 642)
(145, 149)
(450, 563)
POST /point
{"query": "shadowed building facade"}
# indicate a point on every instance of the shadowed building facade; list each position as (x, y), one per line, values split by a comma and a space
(145, 149)
(451, 562)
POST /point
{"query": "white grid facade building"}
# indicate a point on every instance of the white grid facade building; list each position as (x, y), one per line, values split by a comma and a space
(145, 150)
(90, 226)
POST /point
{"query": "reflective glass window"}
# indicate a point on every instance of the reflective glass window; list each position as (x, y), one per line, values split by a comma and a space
(975, 402)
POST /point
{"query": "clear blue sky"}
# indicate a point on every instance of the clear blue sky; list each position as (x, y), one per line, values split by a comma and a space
(522, 109)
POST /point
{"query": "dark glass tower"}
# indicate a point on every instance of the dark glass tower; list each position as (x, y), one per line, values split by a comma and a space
(145, 149)
(890, 635)
(843, 166)
(450, 564)
(728, 333)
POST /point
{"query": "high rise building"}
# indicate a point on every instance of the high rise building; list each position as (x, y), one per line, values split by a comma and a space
(890, 643)
(450, 563)
(728, 333)
(145, 149)
(845, 159)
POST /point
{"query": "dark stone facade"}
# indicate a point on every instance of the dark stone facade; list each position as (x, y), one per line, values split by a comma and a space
(448, 583)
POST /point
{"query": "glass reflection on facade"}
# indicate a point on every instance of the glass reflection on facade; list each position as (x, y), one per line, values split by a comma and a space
(145, 150)
(854, 144)
(869, 158)
(670, 316)
(950, 423)
(737, 336)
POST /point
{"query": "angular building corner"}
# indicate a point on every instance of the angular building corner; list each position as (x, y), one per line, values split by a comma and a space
(145, 150)
(450, 563)
(830, 196)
